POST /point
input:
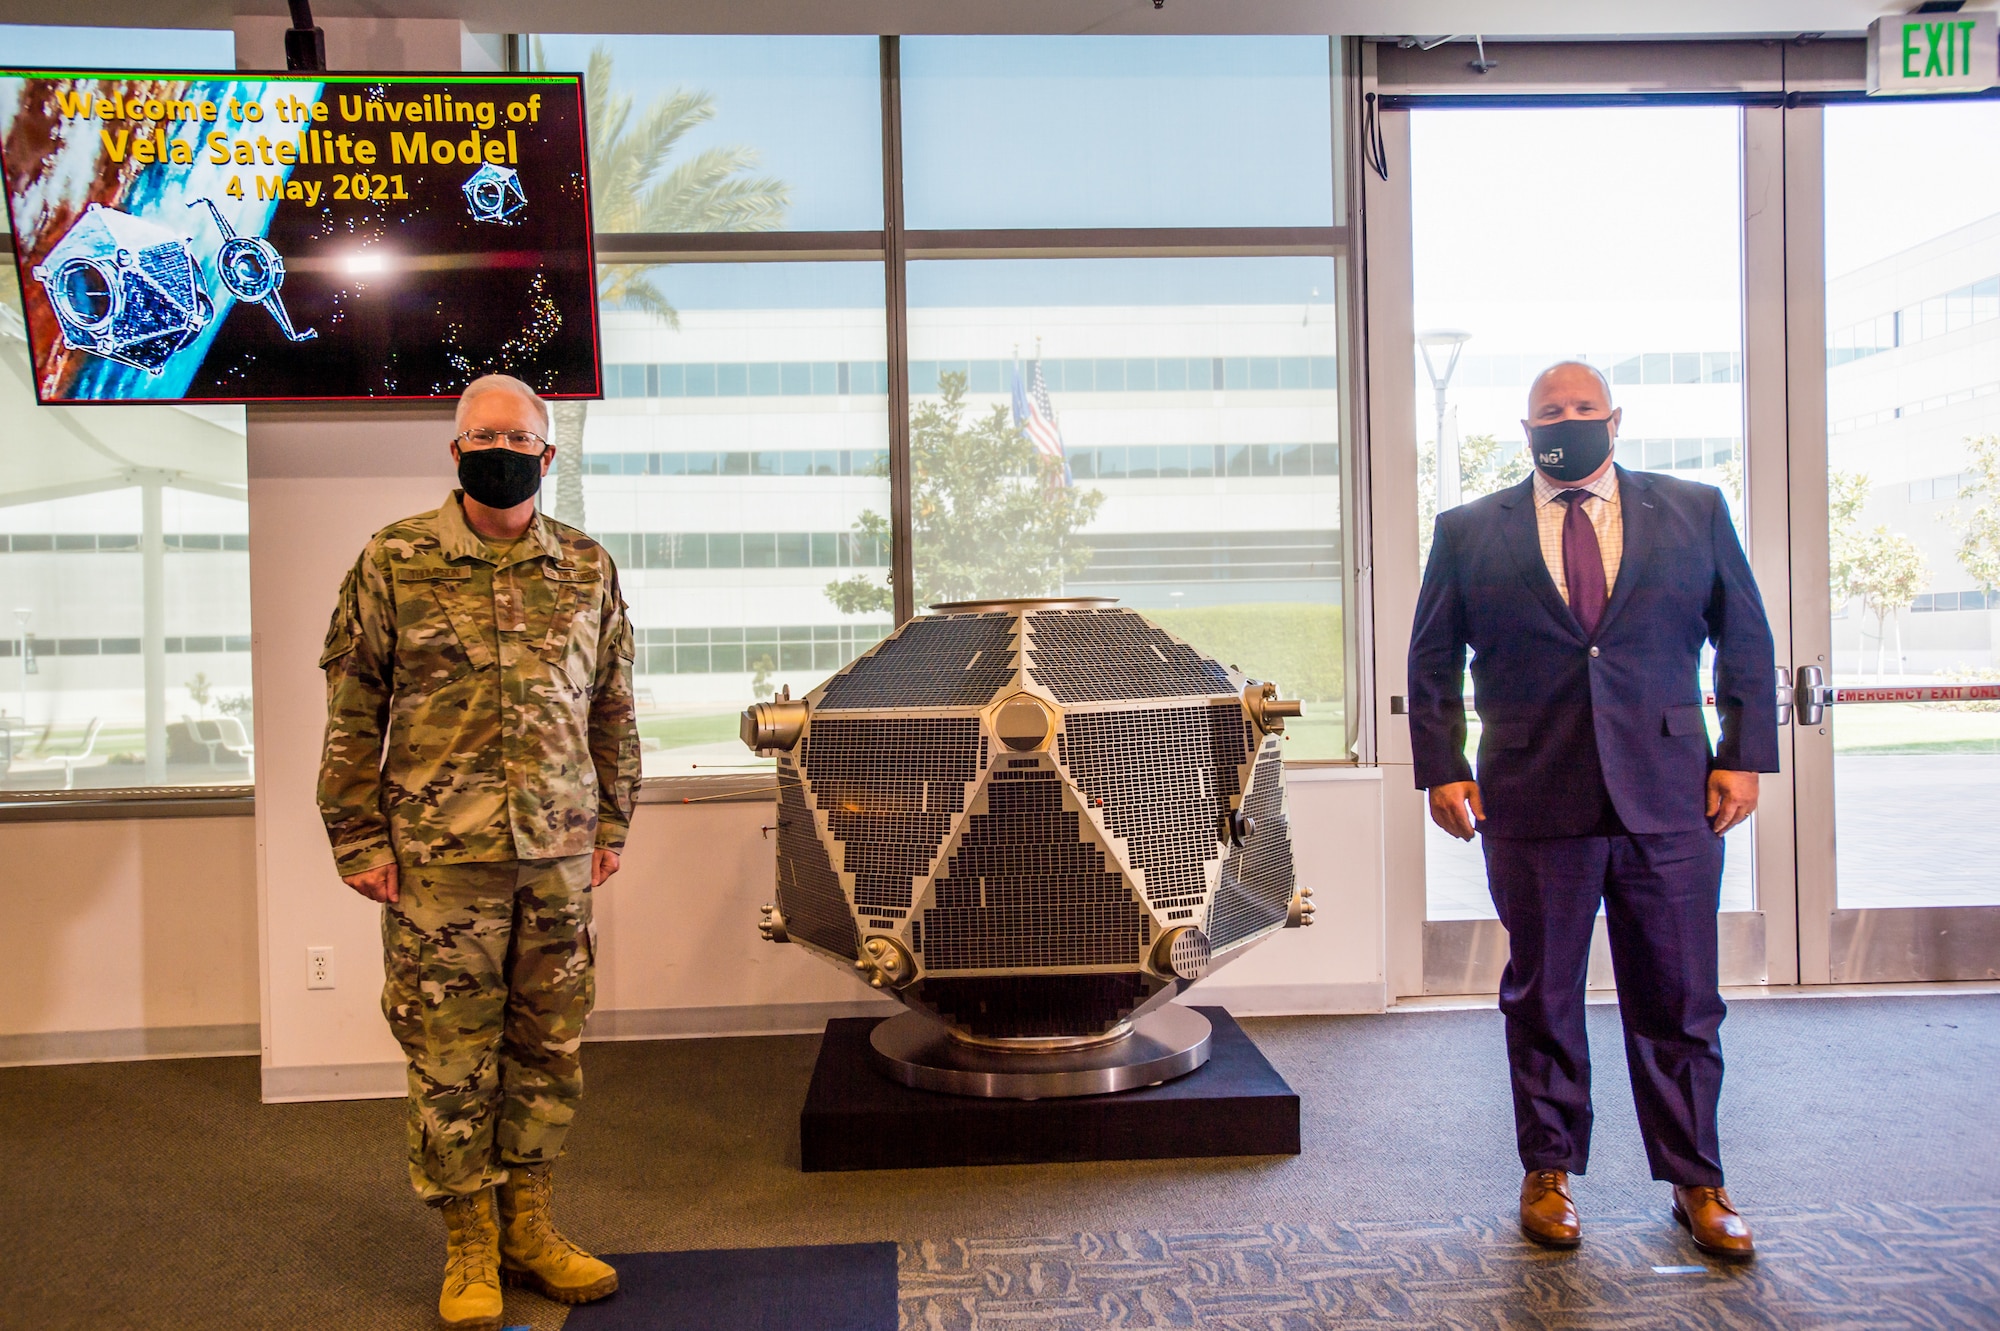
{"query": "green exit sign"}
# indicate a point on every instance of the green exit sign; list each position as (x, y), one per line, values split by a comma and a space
(1910, 53)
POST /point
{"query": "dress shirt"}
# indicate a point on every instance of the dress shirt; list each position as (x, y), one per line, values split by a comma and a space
(1606, 516)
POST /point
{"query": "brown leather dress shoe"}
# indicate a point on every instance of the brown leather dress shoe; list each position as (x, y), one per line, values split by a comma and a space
(1548, 1215)
(1707, 1215)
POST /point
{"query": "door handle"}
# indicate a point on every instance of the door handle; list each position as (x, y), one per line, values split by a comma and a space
(1785, 697)
(1810, 695)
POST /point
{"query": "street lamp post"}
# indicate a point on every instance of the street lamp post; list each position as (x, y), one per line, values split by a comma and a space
(21, 616)
(1452, 340)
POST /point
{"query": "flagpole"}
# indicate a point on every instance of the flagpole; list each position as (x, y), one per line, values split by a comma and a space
(902, 558)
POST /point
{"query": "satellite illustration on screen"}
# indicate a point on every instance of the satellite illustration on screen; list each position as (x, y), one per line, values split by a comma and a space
(209, 237)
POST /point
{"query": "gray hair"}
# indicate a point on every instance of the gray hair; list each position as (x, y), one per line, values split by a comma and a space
(498, 383)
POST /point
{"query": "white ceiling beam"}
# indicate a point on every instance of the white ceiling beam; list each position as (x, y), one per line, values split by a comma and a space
(1428, 18)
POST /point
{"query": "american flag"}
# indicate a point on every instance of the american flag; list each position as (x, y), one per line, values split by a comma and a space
(1035, 415)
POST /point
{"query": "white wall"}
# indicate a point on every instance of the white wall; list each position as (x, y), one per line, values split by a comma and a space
(321, 482)
(1338, 964)
(128, 939)
(430, 45)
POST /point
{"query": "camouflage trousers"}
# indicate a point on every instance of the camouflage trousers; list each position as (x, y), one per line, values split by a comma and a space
(490, 974)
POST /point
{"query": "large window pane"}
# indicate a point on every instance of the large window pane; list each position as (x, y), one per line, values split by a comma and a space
(729, 133)
(732, 471)
(1117, 131)
(125, 615)
(1634, 266)
(125, 594)
(1913, 411)
(1207, 499)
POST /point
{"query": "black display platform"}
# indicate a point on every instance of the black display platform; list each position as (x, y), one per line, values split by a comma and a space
(856, 1118)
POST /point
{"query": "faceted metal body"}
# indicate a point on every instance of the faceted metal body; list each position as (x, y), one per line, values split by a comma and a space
(1031, 820)
(494, 194)
(125, 289)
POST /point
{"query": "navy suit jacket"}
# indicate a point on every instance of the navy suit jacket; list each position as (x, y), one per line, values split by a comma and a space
(1548, 694)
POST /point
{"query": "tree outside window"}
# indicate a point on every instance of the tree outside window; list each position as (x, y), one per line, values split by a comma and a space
(991, 517)
(1888, 574)
(1979, 529)
(1846, 493)
(1485, 467)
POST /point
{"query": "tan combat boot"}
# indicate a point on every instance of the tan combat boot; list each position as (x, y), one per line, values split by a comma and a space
(532, 1253)
(471, 1297)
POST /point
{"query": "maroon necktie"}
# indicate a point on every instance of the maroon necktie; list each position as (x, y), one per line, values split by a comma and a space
(1583, 563)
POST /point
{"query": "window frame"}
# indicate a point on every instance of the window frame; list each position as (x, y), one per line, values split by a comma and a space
(153, 797)
(145, 800)
(895, 246)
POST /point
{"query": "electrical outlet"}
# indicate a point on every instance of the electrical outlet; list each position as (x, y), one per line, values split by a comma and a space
(319, 968)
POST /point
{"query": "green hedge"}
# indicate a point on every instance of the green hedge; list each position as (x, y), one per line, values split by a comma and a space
(679, 732)
(1298, 647)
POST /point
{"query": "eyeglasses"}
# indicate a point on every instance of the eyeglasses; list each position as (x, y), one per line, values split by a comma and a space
(521, 441)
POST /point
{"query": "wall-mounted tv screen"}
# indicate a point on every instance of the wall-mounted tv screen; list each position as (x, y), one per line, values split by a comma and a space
(256, 238)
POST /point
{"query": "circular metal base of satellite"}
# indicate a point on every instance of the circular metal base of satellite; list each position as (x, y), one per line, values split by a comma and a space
(915, 1050)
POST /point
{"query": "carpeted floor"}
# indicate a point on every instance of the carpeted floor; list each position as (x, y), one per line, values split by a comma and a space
(1859, 1134)
(1857, 1266)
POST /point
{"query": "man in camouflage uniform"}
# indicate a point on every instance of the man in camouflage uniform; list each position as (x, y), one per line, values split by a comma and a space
(482, 755)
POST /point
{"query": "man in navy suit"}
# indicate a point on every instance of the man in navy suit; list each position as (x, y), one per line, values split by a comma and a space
(1585, 594)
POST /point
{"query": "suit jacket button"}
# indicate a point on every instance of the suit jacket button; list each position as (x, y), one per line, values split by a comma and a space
(1595, 652)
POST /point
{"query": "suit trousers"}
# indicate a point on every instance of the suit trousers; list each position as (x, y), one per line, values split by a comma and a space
(489, 974)
(1661, 893)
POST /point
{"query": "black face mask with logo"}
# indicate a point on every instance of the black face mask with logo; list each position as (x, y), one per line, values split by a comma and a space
(1573, 449)
(499, 477)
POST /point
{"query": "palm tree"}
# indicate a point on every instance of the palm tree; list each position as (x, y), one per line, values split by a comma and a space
(635, 188)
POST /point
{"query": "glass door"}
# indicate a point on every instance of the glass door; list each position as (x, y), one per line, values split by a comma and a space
(1912, 274)
(1609, 236)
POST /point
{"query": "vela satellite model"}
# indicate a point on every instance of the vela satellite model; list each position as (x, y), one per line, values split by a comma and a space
(1033, 822)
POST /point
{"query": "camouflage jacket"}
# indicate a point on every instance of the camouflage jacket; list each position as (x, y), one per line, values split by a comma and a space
(476, 710)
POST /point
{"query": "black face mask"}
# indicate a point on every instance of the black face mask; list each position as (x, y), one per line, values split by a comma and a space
(500, 477)
(1573, 449)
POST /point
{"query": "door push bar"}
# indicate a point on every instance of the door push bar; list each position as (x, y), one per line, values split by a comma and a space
(1815, 695)
(1399, 705)
(1807, 699)
(1786, 697)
